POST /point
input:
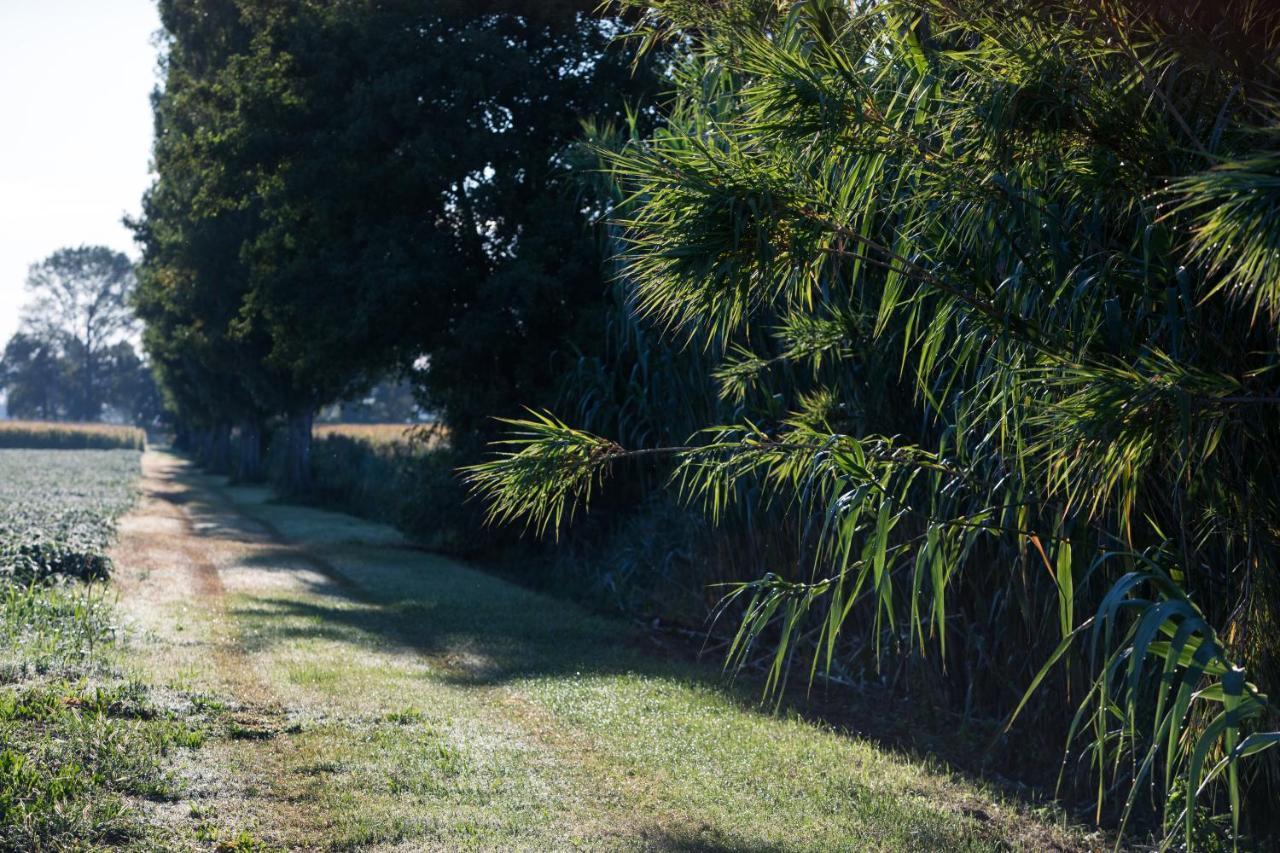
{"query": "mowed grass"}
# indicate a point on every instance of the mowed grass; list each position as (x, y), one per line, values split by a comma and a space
(81, 745)
(59, 435)
(437, 707)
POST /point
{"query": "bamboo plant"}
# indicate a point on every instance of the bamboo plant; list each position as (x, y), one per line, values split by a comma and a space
(995, 290)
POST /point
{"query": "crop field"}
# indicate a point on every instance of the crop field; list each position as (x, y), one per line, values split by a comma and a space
(58, 510)
(54, 435)
(81, 746)
(379, 435)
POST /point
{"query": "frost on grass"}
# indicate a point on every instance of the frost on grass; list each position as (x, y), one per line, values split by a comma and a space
(80, 746)
(58, 510)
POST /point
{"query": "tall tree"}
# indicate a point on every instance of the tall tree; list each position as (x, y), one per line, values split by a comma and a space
(386, 182)
(33, 376)
(80, 298)
(192, 280)
(131, 386)
(418, 197)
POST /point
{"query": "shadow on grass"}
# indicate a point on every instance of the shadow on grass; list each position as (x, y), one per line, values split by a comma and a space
(485, 630)
(443, 609)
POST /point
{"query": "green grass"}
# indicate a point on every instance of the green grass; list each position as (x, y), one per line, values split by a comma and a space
(441, 707)
(51, 631)
(390, 698)
(81, 745)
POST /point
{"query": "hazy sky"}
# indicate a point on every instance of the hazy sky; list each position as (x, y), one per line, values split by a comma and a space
(75, 129)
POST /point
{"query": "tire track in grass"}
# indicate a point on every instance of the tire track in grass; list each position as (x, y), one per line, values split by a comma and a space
(167, 557)
(532, 720)
(182, 555)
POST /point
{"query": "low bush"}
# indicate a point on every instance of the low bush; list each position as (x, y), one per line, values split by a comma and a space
(360, 470)
(652, 563)
(51, 435)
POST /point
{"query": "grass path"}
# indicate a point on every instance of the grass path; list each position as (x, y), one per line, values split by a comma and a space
(378, 697)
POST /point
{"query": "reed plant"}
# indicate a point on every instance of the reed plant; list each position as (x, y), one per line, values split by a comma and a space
(991, 292)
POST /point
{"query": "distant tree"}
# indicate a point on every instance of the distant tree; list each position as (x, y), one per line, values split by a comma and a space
(131, 387)
(41, 376)
(32, 373)
(81, 300)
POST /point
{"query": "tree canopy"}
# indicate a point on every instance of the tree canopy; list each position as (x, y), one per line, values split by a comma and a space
(347, 191)
(80, 302)
(71, 356)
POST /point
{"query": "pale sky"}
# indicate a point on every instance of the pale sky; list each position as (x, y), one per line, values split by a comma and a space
(75, 130)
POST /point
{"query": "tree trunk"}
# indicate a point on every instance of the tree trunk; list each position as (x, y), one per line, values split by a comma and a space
(88, 415)
(297, 463)
(249, 464)
(202, 446)
(219, 461)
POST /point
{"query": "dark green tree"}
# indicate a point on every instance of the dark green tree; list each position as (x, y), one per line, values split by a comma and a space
(192, 280)
(40, 376)
(347, 189)
(131, 386)
(419, 201)
(33, 376)
(80, 299)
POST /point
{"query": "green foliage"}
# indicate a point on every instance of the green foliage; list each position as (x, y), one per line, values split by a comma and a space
(42, 380)
(1234, 213)
(192, 279)
(394, 474)
(58, 511)
(51, 628)
(995, 285)
(554, 467)
(77, 743)
(653, 562)
(32, 372)
(70, 357)
(346, 190)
